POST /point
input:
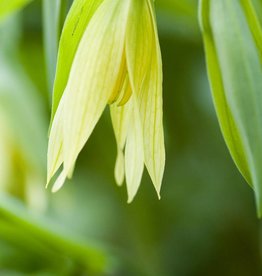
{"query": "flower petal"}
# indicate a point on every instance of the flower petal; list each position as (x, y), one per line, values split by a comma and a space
(139, 41)
(59, 182)
(77, 19)
(55, 145)
(120, 167)
(134, 152)
(93, 76)
(145, 71)
(151, 108)
(120, 116)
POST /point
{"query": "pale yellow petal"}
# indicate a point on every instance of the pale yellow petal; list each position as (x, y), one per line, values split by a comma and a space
(151, 108)
(151, 114)
(93, 76)
(59, 181)
(134, 152)
(120, 116)
(139, 42)
(126, 92)
(75, 24)
(120, 168)
(120, 83)
(55, 145)
(145, 72)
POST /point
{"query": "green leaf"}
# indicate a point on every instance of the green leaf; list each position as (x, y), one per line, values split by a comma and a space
(258, 8)
(232, 37)
(254, 23)
(226, 121)
(51, 25)
(9, 6)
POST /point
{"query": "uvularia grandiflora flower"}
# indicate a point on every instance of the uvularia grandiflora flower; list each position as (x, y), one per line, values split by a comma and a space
(109, 54)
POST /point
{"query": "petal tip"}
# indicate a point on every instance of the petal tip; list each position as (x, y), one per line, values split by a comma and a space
(130, 200)
(59, 182)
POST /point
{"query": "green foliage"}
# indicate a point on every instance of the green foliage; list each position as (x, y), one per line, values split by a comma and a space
(233, 37)
(51, 16)
(10, 6)
(50, 245)
(205, 223)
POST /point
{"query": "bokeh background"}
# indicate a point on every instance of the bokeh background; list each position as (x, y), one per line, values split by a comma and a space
(205, 223)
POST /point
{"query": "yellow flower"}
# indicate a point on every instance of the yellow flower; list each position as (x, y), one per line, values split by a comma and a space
(115, 60)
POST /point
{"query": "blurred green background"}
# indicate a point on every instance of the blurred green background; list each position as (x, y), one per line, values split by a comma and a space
(205, 223)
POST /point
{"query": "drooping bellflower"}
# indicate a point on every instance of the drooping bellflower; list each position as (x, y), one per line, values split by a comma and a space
(109, 54)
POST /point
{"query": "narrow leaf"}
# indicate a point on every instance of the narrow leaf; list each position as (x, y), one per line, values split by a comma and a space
(234, 53)
(51, 25)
